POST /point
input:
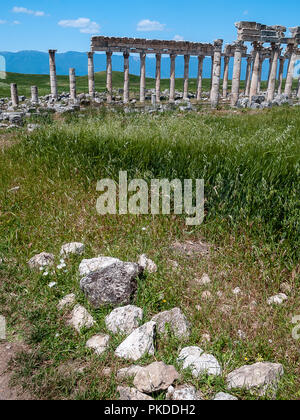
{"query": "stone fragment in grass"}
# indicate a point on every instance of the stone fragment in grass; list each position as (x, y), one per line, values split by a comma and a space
(206, 295)
(156, 377)
(66, 301)
(88, 266)
(124, 320)
(80, 318)
(75, 248)
(199, 362)
(277, 299)
(175, 320)
(132, 394)
(139, 343)
(41, 260)
(190, 248)
(286, 288)
(205, 280)
(115, 284)
(237, 291)
(222, 396)
(128, 372)
(183, 393)
(99, 343)
(257, 378)
(147, 264)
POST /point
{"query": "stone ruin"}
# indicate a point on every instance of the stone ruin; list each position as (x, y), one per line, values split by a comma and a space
(280, 48)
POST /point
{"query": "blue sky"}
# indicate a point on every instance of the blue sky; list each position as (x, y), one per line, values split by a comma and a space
(68, 24)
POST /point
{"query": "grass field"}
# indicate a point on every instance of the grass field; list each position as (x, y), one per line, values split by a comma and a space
(251, 165)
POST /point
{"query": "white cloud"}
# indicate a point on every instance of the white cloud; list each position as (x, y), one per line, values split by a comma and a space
(178, 38)
(147, 25)
(17, 9)
(85, 25)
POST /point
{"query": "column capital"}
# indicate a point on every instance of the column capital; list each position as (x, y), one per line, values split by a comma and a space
(173, 55)
(126, 54)
(239, 45)
(109, 53)
(90, 54)
(52, 51)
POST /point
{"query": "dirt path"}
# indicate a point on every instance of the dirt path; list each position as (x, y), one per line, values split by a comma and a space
(8, 351)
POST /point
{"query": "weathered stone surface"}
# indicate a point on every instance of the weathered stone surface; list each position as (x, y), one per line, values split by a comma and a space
(80, 318)
(114, 284)
(67, 301)
(89, 266)
(147, 264)
(139, 343)
(124, 320)
(222, 396)
(199, 362)
(132, 394)
(99, 343)
(257, 378)
(76, 248)
(277, 299)
(128, 372)
(155, 377)
(41, 260)
(175, 320)
(204, 280)
(182, 393)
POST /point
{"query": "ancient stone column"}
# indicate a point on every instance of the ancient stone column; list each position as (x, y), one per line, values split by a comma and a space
(290, 73)
(157, 77)
(108, 77)
(34, 95)
(261, 62)
(211, 72)
(225, 76)
(270, 67)
(273, 73)
(72, 78)
(186, 77)
(126, 78)
(172, 78)
(14, 94)
(248, 76)
(280, 76)
(153, 100)
(199, 78)
(91, 74)
(236, 77)
(256, 69)
(53, 81)
(143, 77)
(215, 88)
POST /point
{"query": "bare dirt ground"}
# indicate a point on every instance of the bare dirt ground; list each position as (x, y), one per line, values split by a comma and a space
(7, 352)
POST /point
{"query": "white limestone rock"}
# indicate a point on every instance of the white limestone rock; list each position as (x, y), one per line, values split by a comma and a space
(204, 281)
(175, 320)
(156, 377)
(89, 266)
(139, 343)
(147, 264)
(80, 318)
(183, 393)
(277, 299)
(132, 394)
(124, 320)
(41, 260)
(199, 362)
(75, 248)
(257, 378)
(66, 301)
(99, 343)
(128, 372)
(222, 396)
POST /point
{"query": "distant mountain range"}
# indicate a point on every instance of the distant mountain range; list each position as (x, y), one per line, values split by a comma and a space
(36, 62)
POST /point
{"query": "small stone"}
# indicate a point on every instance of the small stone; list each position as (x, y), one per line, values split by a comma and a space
(80, 318)
(107, 372)
(75, 248)
(89, 266)
(206, 338)
(128, 372)
(205, 280)
(173, 319)
(67, 301)
(155, 377)
(139, 343)
(124, 320)
(147, 264)
(41, 260)
(99, 343)
(222, 396)
(237, 291)
(241, 335)
(206, 295)
(253, 305)
(182, 393)
(132, 394)
(286, 288)
(199, 362)
(257, 378)
(277, 299)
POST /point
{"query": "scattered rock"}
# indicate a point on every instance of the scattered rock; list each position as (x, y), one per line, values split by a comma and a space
(72, 248)
(183, 393)
(206, 338)
(139, 343)
(107, 372)
(175, 320)
(205, 280)
(199, 362)
(206, 295)
(80, 318)
(257, 378)
(115, 284)
(41, 260)
(237, 291)
(155, 377)
(99, 343)
(67, 301)
(190, 248)
(89, 266)
(286, 288)
(253, 305)
(277, 300)
(147, 264)
(128, 372)
(132, 394)
(222, 396)
(241, 335)
(124, 320)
